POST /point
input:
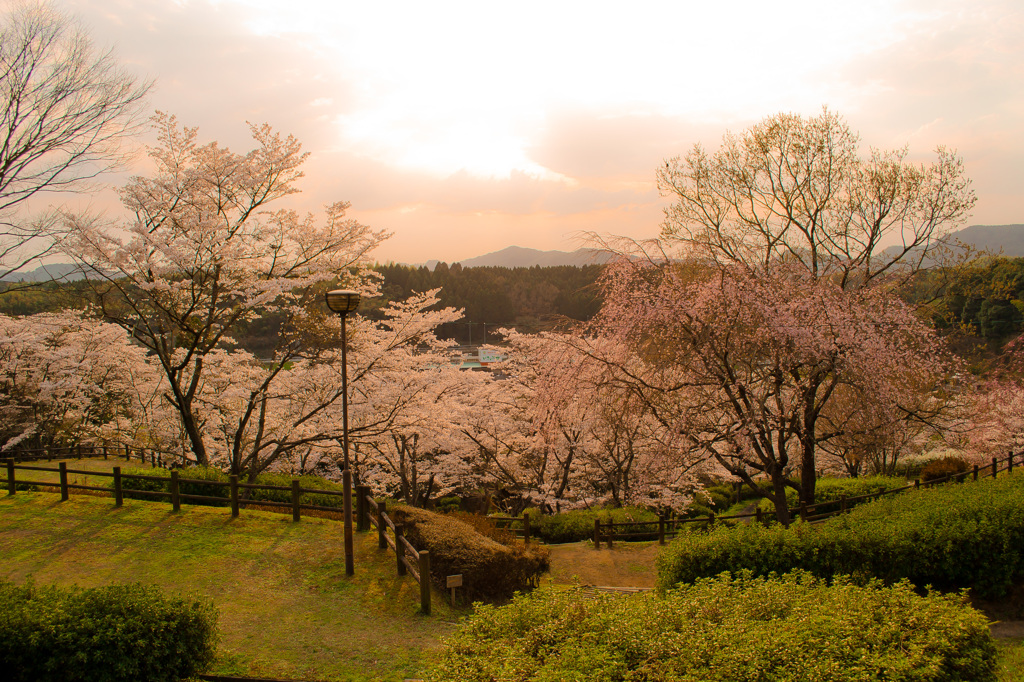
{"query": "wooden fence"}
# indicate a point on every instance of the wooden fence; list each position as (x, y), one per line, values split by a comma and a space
(408, 558)
(814, 513)
(506, 523)
(155, 458)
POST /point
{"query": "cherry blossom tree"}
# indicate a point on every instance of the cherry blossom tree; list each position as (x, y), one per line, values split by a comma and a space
(748, 368)
(403, 378)
(595, 443)
(65, 379)
(203, 254)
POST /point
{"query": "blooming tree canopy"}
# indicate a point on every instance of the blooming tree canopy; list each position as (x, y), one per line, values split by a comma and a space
(203, 254)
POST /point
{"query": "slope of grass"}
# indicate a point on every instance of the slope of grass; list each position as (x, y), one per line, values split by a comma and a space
(286, 608)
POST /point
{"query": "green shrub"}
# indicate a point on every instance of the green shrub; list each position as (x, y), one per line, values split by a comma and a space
(728, 629)
(490, 570)
(447, 505)
(944, 467)
(121, 632)
(949, 537)
(578, 524)
(828, 492)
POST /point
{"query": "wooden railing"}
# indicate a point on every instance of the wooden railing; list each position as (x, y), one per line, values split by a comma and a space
(669, 527)
(506, 523)
(155, 458)
(409, 560)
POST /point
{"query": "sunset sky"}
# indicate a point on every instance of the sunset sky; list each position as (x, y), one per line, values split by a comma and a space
(466, 127)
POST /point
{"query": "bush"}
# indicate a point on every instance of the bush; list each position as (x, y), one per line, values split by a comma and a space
(944, 467)
(967, 536)
(446, 505)
(489, 569)
(729, 629)
(828, 493)
(578, 524)
(121, 632)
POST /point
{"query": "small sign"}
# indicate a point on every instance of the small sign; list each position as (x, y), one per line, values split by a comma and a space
(455, 581)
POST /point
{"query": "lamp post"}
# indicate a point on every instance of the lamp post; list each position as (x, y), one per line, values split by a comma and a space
(344, 301)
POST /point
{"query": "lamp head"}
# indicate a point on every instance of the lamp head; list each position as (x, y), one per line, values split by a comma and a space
(342, 301)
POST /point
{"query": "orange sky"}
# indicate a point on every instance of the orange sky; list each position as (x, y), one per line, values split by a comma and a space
(466, 127)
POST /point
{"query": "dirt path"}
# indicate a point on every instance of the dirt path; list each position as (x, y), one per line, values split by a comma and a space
(628, 565)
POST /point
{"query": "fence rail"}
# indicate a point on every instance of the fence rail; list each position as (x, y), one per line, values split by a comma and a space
(408, 559)
(523, 531)
(156, 458)
(669, 527)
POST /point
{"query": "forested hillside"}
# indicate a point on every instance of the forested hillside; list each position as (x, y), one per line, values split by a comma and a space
(529, 299)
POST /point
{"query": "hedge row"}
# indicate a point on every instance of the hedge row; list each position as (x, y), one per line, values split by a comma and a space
(489, 569)
(108, 634)
(951, 537)
(213, 476)
(834, 489)
(728, 629)
(576, 525)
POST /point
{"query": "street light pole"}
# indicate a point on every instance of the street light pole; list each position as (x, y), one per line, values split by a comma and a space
(343, 302)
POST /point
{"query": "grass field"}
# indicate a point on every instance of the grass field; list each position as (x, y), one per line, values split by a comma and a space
(286, 608)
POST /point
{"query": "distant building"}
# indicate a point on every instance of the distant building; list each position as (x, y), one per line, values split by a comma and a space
(479, 359)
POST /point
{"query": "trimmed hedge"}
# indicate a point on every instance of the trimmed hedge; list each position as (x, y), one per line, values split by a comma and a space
(209, 477)
(728, 629)
(831, 490)
(490, 570)
(108, 634)
(578, 524)
(951, 537)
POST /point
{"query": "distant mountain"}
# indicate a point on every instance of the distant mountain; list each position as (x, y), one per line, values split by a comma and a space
(518, 257)
(47, 273)
(993, 238)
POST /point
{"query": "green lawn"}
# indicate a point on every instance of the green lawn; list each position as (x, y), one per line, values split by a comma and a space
(286, 608)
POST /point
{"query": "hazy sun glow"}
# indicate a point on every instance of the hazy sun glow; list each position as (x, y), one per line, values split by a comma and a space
(524, 122)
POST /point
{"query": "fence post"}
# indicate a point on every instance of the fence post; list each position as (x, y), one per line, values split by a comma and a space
(526, 528)
(995, 467)
(711, 520)
(382, 541)
(63, 481)
(175, 495)
(104, 452)
(425, 582)
(360, 507)
(597, 534)
(296, 513)
(78, 450)
(118, 494)
(975, 472)
(10, 477)
(759, 515)
(399, 547)
(363, 507)
(917, 484)
(234, 494)
(842, 503)
(661, 529)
